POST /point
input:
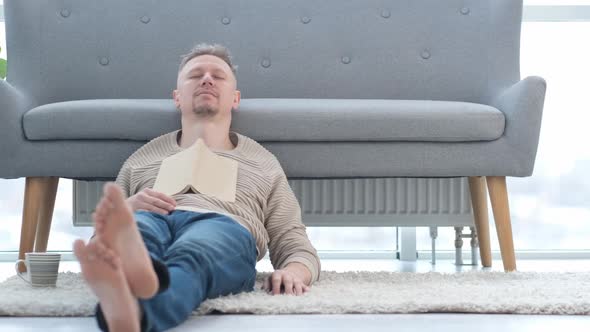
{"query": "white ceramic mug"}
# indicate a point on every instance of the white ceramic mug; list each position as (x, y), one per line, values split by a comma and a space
(42, 268)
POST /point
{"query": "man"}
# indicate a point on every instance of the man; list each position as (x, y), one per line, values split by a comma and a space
(154, 258)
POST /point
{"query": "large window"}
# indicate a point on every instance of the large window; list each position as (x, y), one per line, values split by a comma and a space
(550, 210)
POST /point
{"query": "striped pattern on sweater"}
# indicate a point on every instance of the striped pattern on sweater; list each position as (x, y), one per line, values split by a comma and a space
(265, 203)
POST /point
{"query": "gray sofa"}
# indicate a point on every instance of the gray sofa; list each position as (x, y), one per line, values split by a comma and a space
(335, 89)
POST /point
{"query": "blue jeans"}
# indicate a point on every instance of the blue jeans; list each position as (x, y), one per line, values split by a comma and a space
(197, 256)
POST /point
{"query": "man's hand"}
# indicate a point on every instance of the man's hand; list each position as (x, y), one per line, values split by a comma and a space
(290, 280)
(153, 201)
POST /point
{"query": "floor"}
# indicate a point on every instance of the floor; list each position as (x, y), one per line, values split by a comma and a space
(382, 322)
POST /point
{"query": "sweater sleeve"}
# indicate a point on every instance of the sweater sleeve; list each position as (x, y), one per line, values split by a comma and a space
(288, 241)
(124, 179)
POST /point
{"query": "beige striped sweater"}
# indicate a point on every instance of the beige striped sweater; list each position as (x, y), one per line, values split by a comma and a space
(264, 204)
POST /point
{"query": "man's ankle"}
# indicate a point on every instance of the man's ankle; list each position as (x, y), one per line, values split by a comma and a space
(162, 274)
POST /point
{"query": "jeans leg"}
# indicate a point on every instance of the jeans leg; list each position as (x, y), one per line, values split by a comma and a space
(155, 230)
(212, 255)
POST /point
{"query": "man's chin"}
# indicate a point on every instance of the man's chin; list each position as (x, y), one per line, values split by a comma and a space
(205, 111)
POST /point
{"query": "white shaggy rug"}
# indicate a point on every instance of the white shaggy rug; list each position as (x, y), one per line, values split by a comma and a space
(350, 292)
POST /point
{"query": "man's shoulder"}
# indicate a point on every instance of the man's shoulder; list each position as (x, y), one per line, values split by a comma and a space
(255, 150)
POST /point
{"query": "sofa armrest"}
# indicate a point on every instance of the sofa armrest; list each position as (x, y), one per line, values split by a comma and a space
(522, 105)
(13, 104)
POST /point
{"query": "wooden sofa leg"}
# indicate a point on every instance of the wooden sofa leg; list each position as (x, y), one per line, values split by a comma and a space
(46, 213)
(479, 202)
(501, 210)
(35, 196)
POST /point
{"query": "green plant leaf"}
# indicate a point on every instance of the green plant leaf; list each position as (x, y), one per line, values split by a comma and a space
(3, 68)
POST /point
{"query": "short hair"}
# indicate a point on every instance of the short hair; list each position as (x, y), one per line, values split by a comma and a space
(217, 50)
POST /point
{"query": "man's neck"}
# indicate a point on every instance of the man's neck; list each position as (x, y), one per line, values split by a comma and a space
(216, 136)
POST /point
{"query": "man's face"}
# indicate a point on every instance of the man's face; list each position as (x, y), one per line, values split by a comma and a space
(206, 88)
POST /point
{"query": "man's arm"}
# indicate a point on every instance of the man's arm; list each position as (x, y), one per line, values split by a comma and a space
(289, 246)
(147, 199)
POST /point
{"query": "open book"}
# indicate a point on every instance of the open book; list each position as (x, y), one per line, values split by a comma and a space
(199, 169)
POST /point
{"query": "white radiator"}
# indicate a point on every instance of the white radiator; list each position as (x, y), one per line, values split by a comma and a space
(351, 202)
(86, 196)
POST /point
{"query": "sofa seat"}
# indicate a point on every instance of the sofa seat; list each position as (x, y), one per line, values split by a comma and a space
(274, 120)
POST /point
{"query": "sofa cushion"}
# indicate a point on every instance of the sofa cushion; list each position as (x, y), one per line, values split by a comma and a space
(119, 119)
(367, 120)
(269, 120)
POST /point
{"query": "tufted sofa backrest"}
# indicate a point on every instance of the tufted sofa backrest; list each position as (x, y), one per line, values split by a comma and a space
(464, 50)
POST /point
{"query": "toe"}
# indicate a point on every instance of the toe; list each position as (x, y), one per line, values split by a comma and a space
(113, 261)
(91, 248)
(100, 249)
(97, 216)
(109, 202)
(104, 205)
(100, 207)
(108, 252)
(91, 244)
(79, 249)
(111, 257)
(99, 220)
(114, 192)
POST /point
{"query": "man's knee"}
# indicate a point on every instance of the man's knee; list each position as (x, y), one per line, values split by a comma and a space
(193, 246)
(153, 230)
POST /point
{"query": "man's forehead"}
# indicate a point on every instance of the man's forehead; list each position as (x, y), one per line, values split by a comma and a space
(207, 62)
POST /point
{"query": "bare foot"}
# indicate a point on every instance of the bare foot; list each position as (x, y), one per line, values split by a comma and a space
(117, 229)
(101, 269)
